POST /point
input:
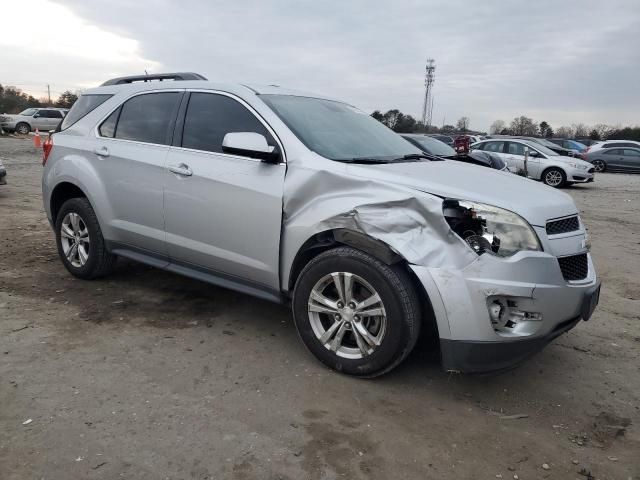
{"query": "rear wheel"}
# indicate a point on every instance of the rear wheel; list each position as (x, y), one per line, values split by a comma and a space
(599, 165)
(23, 128)
(356, 314)
(80, 243)
(554, 177)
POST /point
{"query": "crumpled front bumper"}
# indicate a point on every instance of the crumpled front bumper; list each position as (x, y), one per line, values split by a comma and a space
(531, 281)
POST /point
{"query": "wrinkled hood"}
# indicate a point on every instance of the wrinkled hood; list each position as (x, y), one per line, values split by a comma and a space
(531, 200)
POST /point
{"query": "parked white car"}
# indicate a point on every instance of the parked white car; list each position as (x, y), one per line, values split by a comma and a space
(44, 119)
(543, 164)
(612, 144)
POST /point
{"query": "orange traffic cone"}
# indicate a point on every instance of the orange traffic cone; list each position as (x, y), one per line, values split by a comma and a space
(37, 141)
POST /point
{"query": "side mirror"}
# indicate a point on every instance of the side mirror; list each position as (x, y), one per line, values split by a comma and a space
(250, 144)
(533, 153)
(36, 115)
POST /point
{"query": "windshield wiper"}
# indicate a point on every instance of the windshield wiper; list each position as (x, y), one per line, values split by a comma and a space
(367, 160)
(418, 156)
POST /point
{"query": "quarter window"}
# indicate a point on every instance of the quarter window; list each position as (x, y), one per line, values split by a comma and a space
(108, 127)
(146, 118)
(210, 117)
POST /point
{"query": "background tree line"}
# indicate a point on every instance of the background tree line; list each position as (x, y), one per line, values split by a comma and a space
(522, 126)
(527, 127)
(14, 100)
(403, 123)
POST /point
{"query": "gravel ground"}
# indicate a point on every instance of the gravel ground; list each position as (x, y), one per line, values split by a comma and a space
(146, 374)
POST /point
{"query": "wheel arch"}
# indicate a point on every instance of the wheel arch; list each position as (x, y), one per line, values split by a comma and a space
(329, 239)
(62, 192)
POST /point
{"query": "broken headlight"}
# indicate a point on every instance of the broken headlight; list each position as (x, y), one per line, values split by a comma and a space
(489, 229)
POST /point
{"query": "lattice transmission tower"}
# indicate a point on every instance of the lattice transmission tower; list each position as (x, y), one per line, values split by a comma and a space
(429, 78)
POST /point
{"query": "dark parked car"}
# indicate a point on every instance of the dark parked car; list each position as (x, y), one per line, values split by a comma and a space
(615, 159)
(434, 146)
(3, 174)
(565, 152)
(569, 144)
(443, 138)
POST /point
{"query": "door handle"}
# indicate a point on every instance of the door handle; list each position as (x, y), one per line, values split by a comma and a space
(181, 169)
(101, 151)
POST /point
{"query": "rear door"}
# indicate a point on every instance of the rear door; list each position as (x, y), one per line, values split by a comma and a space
(498, 147)
(129, 155)
(614, 158)
(224, 213)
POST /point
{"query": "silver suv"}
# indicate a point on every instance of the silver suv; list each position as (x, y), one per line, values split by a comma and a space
(44, 119)
(295, 197)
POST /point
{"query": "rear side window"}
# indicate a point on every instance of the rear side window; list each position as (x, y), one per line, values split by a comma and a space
(494, 147)
(145, 118)
(210, 117)
(55, 114)
(615, 151)
(82, 106)
(516, 148)
(618, 144)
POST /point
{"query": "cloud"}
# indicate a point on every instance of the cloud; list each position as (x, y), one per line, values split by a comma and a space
(560, 61)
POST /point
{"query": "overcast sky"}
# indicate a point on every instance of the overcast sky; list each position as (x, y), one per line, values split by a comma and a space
(561, 61)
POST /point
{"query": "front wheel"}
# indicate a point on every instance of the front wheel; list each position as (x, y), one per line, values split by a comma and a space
(23, 128)
(356, 314)
(554, 177)
(599, 166)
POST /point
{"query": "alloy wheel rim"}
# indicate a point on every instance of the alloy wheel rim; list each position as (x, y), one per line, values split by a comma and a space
(553, 178)
(347, 315)
(74, 236)
(22, 130)
(598, 165)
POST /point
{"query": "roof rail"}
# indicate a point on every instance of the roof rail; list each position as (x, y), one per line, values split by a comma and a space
(157, 76)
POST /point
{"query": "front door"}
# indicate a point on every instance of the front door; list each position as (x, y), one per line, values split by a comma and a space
(223, 212)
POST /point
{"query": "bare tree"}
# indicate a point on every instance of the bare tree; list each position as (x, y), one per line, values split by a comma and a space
(463, 124)
(564, 132)
(523, 126)
(580, 130)
(603, 130)
(497, 127)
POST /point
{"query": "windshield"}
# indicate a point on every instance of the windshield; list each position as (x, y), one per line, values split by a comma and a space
(28, 112)
(338, 131)
(577, 145)
(542, 149)
(433, 146)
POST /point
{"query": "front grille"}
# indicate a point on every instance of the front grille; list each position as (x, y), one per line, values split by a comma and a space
(575, 267)
(569, 224)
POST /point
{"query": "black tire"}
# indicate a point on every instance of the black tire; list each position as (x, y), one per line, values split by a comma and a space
(99, 261)
(599, 166)
(553, 172)
(23, 128)
(399, 298)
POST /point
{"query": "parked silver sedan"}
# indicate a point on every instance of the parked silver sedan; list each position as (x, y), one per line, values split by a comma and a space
(543, 164)
(615, 159)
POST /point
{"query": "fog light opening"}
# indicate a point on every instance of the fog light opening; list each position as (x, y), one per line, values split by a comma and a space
(496, 310)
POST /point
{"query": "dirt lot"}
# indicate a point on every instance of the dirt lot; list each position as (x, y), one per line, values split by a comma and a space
(146, 374)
